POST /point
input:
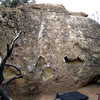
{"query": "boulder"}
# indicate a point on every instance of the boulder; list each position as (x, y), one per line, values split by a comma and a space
(57, 51)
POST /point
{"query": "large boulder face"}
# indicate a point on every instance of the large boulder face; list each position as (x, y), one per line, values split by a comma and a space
(57, 50)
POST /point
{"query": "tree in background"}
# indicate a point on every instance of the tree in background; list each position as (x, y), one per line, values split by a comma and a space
(13, 3)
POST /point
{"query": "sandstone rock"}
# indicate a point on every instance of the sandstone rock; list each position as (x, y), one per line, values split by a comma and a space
(57, 50)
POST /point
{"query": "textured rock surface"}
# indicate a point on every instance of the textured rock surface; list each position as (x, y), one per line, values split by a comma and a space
(57, 50)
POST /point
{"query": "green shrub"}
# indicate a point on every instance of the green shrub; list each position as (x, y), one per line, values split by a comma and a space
(13, 3)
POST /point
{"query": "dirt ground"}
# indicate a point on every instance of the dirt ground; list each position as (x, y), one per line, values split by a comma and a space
(91, 91)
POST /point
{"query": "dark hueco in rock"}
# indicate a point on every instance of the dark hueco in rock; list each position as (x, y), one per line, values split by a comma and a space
(58, 50)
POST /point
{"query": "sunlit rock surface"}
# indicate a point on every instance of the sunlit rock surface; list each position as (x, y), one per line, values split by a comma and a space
(58, 50)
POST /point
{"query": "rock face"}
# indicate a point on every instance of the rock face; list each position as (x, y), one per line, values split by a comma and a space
(57, 50)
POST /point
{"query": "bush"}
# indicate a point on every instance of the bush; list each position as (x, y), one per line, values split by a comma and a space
(13, 3)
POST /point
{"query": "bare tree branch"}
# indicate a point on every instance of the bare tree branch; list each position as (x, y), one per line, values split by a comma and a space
(13, 66)
(9, 51)
(3, 95)
(4, 85)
